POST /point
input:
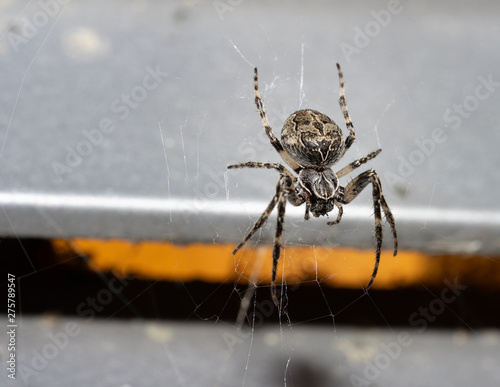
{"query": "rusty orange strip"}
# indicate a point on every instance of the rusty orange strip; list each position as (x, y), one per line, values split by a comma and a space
(337, 267)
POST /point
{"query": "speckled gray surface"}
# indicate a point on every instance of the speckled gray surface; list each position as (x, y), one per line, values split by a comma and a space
(75, 352)
(118, 120)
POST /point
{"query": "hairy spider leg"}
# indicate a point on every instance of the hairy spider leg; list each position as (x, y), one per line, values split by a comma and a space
(257, 164)
(344, 171)
(277, 244)
(339, 213)
(263, 218)
(343, 106)
(287, 188)
(267, 127)
(357, 163)
(352, 190)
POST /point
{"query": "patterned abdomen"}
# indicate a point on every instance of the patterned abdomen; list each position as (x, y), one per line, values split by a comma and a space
(312, 139)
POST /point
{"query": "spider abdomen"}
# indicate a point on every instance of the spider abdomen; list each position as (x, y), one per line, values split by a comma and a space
(312, 139)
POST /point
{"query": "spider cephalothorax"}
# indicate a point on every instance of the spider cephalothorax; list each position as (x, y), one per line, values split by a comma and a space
(311, 143)
(320, 186)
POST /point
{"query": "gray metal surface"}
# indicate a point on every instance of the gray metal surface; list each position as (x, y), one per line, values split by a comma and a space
(118, 120)
(76, 352)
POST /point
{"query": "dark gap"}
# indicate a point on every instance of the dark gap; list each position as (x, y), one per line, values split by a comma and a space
(72, 289)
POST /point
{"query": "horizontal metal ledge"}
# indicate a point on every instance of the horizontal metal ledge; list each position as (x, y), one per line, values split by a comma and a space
(180, 220)
(220, 207)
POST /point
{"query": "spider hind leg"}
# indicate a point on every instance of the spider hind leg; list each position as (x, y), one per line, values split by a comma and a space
(352, 190)
(277, 245)
(285, 189)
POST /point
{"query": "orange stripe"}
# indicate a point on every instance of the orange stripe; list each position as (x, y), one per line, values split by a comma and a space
(338, 267)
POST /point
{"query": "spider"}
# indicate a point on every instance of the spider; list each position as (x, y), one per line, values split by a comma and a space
(311, 143)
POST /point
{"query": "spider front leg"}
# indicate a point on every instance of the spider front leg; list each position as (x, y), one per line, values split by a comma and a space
(294, 197)
(352, 190)
(339, 214)
(267, 127)
(343, 106)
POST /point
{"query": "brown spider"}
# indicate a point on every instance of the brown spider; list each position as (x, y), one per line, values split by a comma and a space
(311, 143)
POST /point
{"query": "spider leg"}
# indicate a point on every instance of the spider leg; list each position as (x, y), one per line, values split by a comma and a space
(284, 189)
(255, 164)
(308, 208)
(277, 245)
(267, 127)
(263, 218)
(343, 106)
(284, 186)
(357, 163)
(339, 214)
(352, 190)
(293, 197)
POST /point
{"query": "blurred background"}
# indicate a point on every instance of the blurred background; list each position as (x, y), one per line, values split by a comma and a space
(119, 216)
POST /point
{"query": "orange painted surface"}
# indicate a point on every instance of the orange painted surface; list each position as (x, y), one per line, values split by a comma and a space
(338, 267)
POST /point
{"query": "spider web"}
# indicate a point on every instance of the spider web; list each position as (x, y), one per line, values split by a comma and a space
(240, 338)
(243, 339)
(181, 156)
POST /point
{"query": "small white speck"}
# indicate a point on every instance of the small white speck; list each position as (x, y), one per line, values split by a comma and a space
(158, 333)
(169, 142)
(84, 45)
(460, 337)
(271, 339)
